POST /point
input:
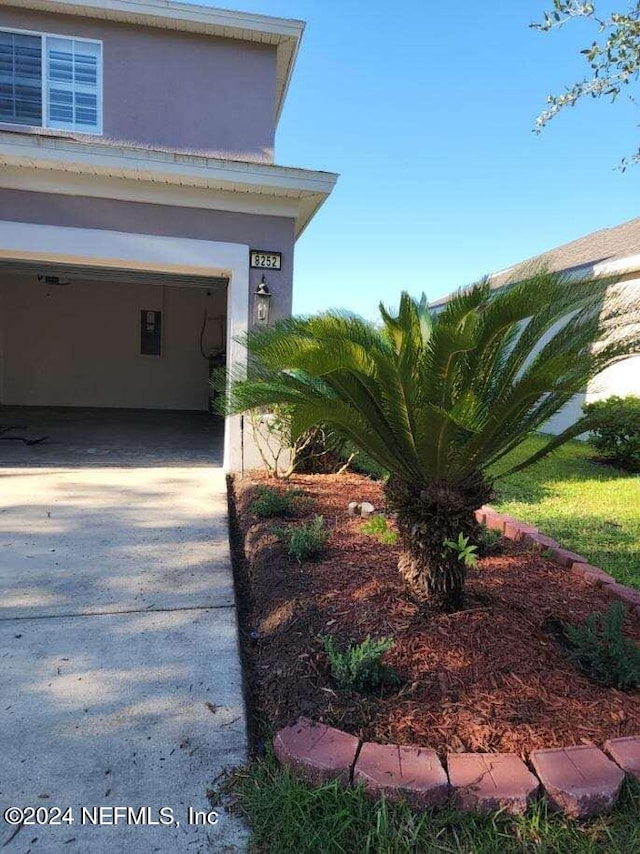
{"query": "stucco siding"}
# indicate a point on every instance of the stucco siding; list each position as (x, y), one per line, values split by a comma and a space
(257, 231)
(621, 379)
(174, 89)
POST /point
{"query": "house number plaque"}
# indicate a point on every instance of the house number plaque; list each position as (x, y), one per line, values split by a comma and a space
(259, 259)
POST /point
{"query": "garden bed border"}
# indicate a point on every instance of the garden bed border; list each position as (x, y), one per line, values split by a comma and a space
(513, 529)
(580, 780)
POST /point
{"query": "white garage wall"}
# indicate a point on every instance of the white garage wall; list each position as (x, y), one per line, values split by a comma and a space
(79, 344)
(620, 379)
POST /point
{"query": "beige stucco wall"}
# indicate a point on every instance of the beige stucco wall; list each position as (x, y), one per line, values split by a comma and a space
(79, 344)
(169, 89)
(275, 233)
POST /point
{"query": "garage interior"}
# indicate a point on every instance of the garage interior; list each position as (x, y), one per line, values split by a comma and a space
(99, 358)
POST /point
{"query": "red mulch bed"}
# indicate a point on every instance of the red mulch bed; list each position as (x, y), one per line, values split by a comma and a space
(489, 678)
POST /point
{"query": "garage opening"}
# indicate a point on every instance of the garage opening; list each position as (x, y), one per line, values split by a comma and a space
(109, 364)
(120, 320)
(91, 337)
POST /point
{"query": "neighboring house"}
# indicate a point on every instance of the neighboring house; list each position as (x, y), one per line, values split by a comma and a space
(136, 175)
(609, 252)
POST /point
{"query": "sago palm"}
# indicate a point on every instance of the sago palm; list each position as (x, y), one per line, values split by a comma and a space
(439, 398)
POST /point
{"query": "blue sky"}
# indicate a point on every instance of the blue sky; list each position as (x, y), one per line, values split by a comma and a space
(426, 110)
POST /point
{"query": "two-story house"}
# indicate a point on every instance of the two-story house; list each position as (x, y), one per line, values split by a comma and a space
(140, 207)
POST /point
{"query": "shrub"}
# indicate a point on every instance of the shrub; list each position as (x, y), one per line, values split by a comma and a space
(360, 666)
(415, 390)
(488, 542)
(317, 451)
(378, 527)
(320, 451)
(616, 434)
(600, 648)
(304, 541)
(269, 502)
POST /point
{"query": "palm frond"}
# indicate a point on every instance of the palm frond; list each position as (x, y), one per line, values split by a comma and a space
(442, 396)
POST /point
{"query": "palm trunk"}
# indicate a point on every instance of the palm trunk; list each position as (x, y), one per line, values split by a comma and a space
(427, 515)
(436, 584)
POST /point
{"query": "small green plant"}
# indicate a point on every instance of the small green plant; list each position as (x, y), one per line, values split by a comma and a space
(616, 434)
(304, 541)
(269, 502)
(360, 666)
(378, 527)
(600, 648)
(466, 551)
(488, 542)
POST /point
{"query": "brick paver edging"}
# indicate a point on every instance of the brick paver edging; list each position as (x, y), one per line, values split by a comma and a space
(513, 529)
(581, 781)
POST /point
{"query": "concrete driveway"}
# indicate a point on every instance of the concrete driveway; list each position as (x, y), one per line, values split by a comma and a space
(120, 680)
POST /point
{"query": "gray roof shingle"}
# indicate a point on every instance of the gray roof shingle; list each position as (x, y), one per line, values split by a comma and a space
(608, 244)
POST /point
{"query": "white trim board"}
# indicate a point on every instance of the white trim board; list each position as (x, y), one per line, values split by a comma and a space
(161, 165)
(115, 249)
(284, 33)
(122, 189)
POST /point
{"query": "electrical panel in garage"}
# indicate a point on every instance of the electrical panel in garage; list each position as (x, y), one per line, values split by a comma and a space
(150, 333)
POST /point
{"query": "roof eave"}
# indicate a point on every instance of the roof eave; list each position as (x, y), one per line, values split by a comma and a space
(615, 267)
(308, 188)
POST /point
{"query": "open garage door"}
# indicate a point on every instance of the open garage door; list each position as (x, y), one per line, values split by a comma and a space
(101, 318)
(89, 336)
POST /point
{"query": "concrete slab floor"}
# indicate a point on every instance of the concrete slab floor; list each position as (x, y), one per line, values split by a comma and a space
(120, 679)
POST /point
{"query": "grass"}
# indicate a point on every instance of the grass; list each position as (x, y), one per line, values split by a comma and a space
(590, 508)
(288, 817)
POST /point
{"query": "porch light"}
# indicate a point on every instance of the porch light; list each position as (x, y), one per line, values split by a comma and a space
(262, 303)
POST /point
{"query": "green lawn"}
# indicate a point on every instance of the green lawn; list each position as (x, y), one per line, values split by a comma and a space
(288, 817)
(589, 508)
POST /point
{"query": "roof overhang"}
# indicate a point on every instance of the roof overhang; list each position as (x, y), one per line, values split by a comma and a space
(614, 267)
(284, 33)
(102, 170)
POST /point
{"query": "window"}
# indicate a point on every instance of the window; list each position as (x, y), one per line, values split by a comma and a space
(20, 79)
(50, 81)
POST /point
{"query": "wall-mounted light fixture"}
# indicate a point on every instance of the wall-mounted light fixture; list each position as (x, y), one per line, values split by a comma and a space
(262, 302)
